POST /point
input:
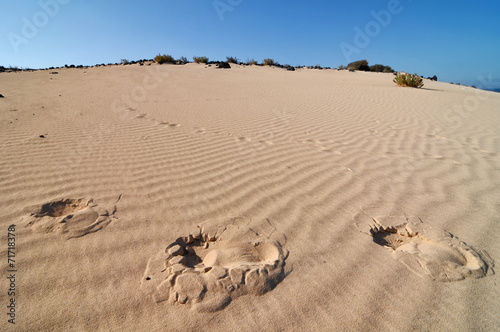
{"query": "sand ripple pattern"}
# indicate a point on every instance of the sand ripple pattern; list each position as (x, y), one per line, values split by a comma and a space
(306, 150)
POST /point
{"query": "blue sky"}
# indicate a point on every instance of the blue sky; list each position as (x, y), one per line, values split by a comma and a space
(459, 41)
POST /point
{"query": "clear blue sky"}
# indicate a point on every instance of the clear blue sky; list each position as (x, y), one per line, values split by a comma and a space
(458, 41)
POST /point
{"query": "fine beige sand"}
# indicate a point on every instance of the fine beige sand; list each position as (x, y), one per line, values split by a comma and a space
(177, 198)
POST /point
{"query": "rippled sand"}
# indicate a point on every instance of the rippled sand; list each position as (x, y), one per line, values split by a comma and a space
(334, 200)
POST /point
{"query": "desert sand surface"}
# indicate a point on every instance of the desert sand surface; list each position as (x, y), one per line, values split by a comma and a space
(177, 198)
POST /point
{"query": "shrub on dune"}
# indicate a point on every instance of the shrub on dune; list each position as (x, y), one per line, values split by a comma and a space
(410, 80)
(165, 58)
(269, 62)
(381, 69)
(200, 59)
(232, 59)
(251, 62)
(359, 65)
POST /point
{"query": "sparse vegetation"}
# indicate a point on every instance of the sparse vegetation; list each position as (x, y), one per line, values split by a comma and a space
(224, 65)
(341, 67)
(232, 59)
(381, 69)
(183, 60)
(410, 80)
(165, 58)
(251, 62)
(200, 59)
(270, 62)
(124, 62)
(359, 65)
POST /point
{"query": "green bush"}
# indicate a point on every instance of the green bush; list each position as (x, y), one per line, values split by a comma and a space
(165, 58)
(200, 59)
(414, 81)
(359, 65)
(269, 62)
(341, 67)
(381, 69)
(183, 60)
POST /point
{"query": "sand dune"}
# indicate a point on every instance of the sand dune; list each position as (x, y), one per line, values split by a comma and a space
(252, 198)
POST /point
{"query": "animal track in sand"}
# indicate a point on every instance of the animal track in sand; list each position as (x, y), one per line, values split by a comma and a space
(70, 217)
(438, 255)
(213, 265)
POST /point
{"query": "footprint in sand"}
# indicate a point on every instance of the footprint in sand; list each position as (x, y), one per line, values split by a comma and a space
(213, 265)
(244, 139)
(200, 130)
(438, 255)
(318, 144)
(70, 217)
(166, 123)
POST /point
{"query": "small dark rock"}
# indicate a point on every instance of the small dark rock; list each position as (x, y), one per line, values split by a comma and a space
(42, 136)
(1, 95)
(224, 65)
(54, 73)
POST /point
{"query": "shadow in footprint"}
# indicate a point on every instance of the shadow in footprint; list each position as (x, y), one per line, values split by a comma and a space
(214, 264)
(443, 258)
(69, 217)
